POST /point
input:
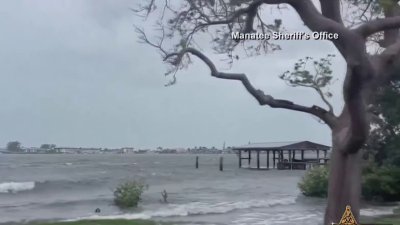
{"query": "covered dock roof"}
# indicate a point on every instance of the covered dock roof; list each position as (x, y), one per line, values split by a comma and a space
(285, 145)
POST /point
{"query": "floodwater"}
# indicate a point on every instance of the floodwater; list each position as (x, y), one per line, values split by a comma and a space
(69, 187)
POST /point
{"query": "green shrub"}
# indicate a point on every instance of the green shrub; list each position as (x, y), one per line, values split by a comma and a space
(378, 183)
(381, 184)
(315, 182)
(128, 194)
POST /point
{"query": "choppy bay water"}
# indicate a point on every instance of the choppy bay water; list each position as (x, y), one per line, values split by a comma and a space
(69, 187)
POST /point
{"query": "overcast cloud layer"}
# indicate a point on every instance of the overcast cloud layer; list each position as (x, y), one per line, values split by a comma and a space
(72, 73)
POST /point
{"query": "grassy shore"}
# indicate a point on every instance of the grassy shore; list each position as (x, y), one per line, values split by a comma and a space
(392, 219)
(102, 222)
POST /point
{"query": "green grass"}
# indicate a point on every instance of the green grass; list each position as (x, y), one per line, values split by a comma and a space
(394, 221)
(102, 222)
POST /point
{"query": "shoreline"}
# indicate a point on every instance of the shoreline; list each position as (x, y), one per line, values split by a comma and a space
(393, 219)
(387, 219)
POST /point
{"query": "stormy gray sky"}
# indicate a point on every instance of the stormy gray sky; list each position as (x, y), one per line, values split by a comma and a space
(72, 73)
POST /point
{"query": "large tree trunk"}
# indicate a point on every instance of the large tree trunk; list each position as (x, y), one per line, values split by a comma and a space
(344, 182)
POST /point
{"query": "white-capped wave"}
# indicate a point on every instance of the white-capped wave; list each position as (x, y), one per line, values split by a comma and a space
(14, 187)
(378, 211)
(197, 208)
(278, 218)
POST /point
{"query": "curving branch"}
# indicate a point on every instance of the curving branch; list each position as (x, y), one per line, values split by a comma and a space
(259, 95)
(250, 12)
(321, 94)
(347, 42)
(378, 25)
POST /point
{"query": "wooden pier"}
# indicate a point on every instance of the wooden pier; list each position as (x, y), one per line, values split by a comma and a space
(283, 155)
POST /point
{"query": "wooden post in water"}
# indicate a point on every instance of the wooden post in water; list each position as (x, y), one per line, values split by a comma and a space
(240, 158)
(249, 158)
(273, 159)
(221, 163)
(197, 162)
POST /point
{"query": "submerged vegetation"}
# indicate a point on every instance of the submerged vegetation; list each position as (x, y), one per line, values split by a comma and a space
(315, 182)
(128, 194)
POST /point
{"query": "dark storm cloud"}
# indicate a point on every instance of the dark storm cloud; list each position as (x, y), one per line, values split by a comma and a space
(72, 73)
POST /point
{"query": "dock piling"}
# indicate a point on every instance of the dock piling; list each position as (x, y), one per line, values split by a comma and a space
(221, 163)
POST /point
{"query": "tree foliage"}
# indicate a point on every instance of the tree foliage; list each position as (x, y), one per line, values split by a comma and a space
(318, 77)
(381, 176)
(378, 183)
(384, 141)
(128, 194)
(381, 183)
(14, 146)
(315, 182)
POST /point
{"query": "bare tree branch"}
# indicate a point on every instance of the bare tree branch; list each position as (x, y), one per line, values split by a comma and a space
(143, 38)
(259, 95)
(378, 25)
(347, 41)
(251, 10)
(321, 94)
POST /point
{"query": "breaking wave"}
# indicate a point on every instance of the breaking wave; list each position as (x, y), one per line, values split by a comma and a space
(197, 208)
(378, 211)
(14, 187)
(45, 186)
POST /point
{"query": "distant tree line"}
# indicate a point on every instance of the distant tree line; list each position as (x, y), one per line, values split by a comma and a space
(16, 146)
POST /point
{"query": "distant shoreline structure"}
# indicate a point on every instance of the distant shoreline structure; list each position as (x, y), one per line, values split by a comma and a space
(90, 151)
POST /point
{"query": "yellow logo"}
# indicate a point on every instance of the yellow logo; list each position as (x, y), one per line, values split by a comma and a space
(348, 218)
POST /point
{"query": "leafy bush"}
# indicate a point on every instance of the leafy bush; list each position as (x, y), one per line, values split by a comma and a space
(315, 182)
(128, 194)
(381, 184)
(378, 183)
